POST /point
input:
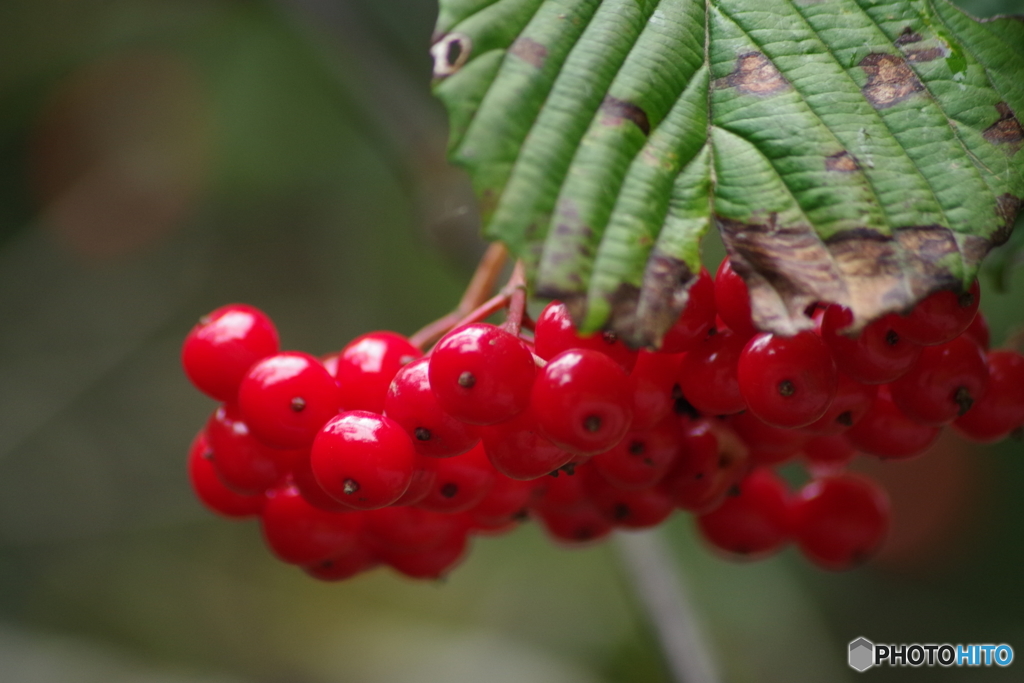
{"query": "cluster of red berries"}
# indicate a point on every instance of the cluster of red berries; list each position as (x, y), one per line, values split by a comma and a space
(382, 454)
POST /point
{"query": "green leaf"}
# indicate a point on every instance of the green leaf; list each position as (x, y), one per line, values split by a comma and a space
(864, 152)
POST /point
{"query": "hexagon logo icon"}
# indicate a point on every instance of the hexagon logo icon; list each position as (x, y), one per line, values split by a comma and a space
(862, 654)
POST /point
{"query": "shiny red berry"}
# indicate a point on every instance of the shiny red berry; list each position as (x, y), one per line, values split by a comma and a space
(581, 401)
(767, 444)
(211, 491)
(940, 317)
(877, 355)
(243, 462)
(433, 563)
(944, 384)
(411, 403)
(787, 381)
(286, 398)
(653, 386)
(635, 509)
(364, 459)
(886, 432)
(507, 500)
(481, 374)
(460, 482)
(576, 525)
(299, 533)
(555, 333)
(366, 366)
(840, 521)
(402, 529)
(707, 376)
(754, 521)
(697, 318)
(851, 402)
(224, 345)
(732, 300)
(706, 468)
(641, 459)
(517, 450)
(1001, 410)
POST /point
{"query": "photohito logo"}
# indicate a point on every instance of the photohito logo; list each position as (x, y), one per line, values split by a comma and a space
(864, 654)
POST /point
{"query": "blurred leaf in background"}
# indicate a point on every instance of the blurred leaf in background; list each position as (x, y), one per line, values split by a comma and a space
(159, 158)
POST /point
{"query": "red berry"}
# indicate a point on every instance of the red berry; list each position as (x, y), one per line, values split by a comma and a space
(852, 401)
(366, 366)
(518, 451)
(363, 459)
(879, 354)
(243, 462)
(641, 458)
(404, 529)
(581, 401)
(708, 378)
(434, 563)
(423, 478)
(768, 444)
(636, 509)
(286, 398)
(461, 482)
(979, 332)
(412, 404)
(561, 492)
(652, 384)
(707, 467)
(830, 452)
(224, 345)
(506, 501)
(481, 374)
(1001, 410)
(299, 533)
(944, 384)
(940, 317)
(732, 300)
(310, 489)
(840, 521)
(583, 523)
(754, 521)
(886, 432)
(210, 490)
(697, 318)
(359, 559)
(787, 381)
(555, 333)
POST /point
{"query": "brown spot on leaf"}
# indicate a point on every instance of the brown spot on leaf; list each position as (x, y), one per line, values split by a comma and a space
(1006, 130)
(529, 50)
(615, 111)
(754, 75)
(663, 296)
(450, 54)
(908, 36)
(870, 264)
(925, 248)
(925, 54)
(890, 80)
(1007, 208)
(841, 162)
(786, 268)
(623, 316)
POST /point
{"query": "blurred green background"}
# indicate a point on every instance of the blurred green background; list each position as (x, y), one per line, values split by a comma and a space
(159, 158)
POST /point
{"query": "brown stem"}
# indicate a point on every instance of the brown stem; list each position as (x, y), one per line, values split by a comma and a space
(480, 287)
(516, 289)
